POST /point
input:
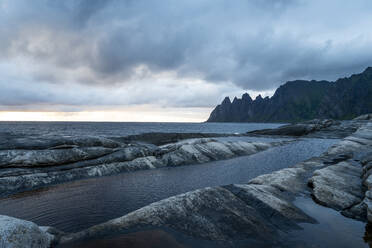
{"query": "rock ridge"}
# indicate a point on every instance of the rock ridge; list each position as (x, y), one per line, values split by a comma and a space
(28, 169)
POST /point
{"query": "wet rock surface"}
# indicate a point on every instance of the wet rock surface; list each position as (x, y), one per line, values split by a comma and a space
(220, 213)
(338, 186)
(315, 128)
(16, 233)
(298, 129)
(364, 117)
(166, 138)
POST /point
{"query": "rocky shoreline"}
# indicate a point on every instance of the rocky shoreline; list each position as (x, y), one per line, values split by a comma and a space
(261, 210)
(22, 170)
(264, 206)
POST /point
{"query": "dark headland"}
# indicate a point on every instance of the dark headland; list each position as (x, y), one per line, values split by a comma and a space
(302, 100)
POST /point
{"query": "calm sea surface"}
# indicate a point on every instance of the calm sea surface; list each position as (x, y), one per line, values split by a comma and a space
(124, 128)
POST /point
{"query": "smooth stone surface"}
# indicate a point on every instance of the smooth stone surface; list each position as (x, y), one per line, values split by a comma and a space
(104, 161)
(16, 233)
(289, 179)
(364, 117)
(220, 213)
(41, 158)
(338, 186)
(299, 129)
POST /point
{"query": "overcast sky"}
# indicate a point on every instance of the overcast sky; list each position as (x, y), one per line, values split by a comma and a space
(171, 55)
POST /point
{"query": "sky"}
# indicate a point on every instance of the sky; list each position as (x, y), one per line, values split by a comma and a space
(168, 60)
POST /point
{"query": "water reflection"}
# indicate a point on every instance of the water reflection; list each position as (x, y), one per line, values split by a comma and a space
(332, 230)
(142, 239)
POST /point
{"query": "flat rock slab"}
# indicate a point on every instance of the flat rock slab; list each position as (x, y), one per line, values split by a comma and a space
(289, 179)
(16, 233)
(221, 213)
(27, 169)
(42, 158)
(338, 186)
(299, 129)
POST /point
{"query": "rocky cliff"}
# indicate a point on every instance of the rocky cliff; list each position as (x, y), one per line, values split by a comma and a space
(301, 100)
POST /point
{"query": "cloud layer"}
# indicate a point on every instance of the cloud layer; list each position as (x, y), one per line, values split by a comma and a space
(72, 55)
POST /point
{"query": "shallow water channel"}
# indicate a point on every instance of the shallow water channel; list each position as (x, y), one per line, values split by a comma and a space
(74, 206)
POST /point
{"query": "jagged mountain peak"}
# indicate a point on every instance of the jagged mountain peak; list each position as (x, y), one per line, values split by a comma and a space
(246, 97)
(258, 98)
(226, 101)
(300, 100)
(368, 70)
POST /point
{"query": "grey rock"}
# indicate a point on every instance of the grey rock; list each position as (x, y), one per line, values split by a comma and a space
(219, 213)
(271, 203)
(338, 186)
(28, 169)
(16, 233)
(25, 142)
(367, 158)
(364, 117)
(299, 129)
(166, 138)
(358, 211)
(367, 179)
(32, 158)
(289, 179)
(368, 202)
(345, 147)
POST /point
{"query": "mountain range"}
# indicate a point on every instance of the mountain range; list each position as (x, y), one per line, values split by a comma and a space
(301, 100)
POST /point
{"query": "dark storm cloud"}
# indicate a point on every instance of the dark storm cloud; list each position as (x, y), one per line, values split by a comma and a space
(254, 45)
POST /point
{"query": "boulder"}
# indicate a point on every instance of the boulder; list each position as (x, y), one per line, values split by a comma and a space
(337, 186)
(16, 233)
(364, 117)
(368, 202)
(289, 179)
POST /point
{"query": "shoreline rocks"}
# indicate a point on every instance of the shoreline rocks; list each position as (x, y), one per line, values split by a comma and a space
(337, 186)
(218, 213)
(364, 117)
(299, 129)
(263, 205)
(29, 169)
(16, 233)
(262, 209)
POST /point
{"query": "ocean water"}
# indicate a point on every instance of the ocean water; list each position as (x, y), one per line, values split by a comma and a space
(123, 128)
